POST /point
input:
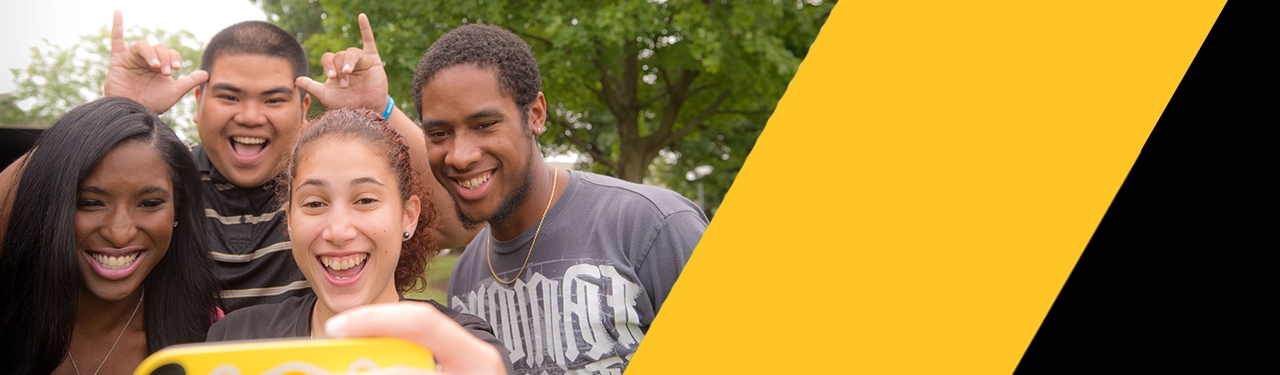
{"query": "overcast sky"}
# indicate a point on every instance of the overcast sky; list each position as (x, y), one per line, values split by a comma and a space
(24, 22)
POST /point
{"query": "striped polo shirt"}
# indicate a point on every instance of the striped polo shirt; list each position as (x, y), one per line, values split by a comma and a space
(251, 251)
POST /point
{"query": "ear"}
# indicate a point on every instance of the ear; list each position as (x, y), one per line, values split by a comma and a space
(196, 119)
(538, 115)
(412, 207)
(306, 105)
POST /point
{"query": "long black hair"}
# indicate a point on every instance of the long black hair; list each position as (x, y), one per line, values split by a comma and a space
(39, 275)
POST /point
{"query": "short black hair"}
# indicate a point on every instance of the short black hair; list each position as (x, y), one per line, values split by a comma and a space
(255, 38)
(488, 47)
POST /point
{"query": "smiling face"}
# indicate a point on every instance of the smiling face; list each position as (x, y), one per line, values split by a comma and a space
(478, 145)
(346, 221)
(249, 114)
(124, 220)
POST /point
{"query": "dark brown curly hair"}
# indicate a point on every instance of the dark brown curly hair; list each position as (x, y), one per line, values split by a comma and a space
(365, 125)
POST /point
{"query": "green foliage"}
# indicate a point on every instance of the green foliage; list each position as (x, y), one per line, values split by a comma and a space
(13, 115)
(60, 78)
(437, 274)
(624, 80)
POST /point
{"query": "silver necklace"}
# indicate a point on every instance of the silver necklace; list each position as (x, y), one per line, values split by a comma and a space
(113, 345)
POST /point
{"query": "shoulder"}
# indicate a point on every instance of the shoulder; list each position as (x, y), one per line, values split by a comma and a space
(468, 321)
(202, 159)
(474, 325)
(636, 198)
(263, 321)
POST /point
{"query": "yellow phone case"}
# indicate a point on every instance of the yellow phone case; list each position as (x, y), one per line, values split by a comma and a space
(286, 356)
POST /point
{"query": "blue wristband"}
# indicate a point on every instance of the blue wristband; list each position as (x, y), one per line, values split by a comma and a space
(391, 104)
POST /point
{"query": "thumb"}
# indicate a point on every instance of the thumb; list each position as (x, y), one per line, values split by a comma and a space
(185, 84)
(452, 346)
(309, 85)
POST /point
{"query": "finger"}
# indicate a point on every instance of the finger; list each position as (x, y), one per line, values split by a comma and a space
(326, 62)
(117, 33)
(352, 60)
(339, 75)
(148, 53)
(453, 347)
(309, 85)
(342, 61)
(165, 59)
(366, 35)
(191, 80)
(175, 59)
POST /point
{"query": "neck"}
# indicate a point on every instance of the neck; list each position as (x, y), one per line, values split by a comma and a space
(95, 316)
(534, 206)
(321, 312)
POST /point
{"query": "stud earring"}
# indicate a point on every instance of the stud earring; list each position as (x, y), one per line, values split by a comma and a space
(406, 235)
(175, 224)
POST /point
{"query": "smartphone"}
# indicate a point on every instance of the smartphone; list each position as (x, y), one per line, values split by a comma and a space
(286, 356)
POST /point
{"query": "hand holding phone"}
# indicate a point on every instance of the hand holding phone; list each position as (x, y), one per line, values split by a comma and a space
(287, 356)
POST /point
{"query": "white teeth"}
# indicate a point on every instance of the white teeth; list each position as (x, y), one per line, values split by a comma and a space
(475, 182)
(249, 140)
(114, 262)
(342, 264)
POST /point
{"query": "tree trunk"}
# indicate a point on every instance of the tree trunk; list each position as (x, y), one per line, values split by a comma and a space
(633, 166)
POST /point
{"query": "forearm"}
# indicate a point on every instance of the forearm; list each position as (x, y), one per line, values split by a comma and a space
(449, 233)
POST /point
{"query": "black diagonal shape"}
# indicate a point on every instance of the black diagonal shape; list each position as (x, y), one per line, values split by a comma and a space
(1158, 286)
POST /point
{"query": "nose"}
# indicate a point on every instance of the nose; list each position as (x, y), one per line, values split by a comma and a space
(339, 231)
(251, 115)
(462, 152)
(120, 228)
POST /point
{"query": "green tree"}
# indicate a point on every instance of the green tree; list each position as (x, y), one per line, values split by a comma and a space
(60, 78)
(626, 81)
(13, 115)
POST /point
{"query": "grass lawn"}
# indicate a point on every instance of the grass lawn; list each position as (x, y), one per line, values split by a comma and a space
(438, 271)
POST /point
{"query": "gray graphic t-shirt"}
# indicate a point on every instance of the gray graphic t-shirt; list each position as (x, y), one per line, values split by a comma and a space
(607, 256)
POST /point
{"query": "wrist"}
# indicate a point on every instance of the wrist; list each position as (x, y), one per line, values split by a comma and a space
(391, 106)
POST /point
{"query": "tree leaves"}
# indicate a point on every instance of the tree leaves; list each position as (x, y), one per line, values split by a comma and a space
(61, 78)
(624, 80)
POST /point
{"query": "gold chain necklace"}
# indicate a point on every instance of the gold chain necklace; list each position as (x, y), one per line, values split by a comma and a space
(113, 345)
(488, 244)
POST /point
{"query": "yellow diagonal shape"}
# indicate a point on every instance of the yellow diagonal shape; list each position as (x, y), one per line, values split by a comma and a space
(925, 187)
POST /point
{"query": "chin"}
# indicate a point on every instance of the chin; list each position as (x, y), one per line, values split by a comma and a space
(339, 303)
(113, 294)
(249, 179)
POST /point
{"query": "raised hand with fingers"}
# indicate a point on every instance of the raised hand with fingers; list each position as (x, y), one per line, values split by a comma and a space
(354, 78)
(144, 72)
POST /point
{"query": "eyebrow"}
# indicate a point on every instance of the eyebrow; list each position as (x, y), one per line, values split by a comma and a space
(484, 113)
(226, 87)
(361, 180)
(153, 189)
(366, 180)
(278, 90)
(271, 91)
(313, 182)
(144, 191)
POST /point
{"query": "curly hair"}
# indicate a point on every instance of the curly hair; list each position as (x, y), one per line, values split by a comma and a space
(368, 126)
(487, 47)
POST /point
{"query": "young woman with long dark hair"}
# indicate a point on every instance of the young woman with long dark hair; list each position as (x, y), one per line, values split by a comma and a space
(103, 259)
